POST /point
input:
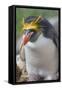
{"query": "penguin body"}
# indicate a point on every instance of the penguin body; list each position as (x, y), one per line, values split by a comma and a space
(41, 49)
(41, 57)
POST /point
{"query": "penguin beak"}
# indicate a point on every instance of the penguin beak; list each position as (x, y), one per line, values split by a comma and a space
(26, 37)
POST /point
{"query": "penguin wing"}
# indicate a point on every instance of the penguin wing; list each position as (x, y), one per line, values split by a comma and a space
(53, 34)
(54, 21)
(49, 31)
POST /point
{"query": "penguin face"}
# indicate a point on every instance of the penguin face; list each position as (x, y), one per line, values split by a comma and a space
(31, 27)
(29, 35)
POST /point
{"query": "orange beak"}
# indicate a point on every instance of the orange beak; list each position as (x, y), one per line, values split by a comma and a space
(26, 38)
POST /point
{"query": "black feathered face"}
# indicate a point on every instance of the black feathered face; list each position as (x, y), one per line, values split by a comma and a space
(27, 32)
(31, 28)
(29, 35)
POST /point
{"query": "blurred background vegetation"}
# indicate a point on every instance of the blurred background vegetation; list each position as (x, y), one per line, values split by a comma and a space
(25, 12)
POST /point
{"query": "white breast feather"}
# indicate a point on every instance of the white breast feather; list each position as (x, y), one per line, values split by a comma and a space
(41, 56)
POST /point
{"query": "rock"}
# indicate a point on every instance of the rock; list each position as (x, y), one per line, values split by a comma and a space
(21, 72)
(18, 73)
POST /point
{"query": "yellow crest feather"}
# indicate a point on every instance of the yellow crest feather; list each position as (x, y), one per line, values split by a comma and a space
(33, 25)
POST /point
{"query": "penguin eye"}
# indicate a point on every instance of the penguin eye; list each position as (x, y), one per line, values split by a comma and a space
(30, 30)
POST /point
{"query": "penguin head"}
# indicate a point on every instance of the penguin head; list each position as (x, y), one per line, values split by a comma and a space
(33, 26)
(31, 29)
